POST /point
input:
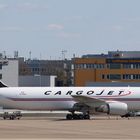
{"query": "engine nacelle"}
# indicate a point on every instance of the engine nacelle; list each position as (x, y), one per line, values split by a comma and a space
(114, 108)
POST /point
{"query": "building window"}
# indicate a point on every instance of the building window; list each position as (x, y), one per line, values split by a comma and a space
(115, 66)
(108, 76)
(127, 76)
(136, 66)
(77, 66)
(131, 76)
(81, 66)
(115, 77)
(0, 66)
(108, 66)
(89, 66)
(103, 76)
(127, 66)
(112, 76)
(99, 66)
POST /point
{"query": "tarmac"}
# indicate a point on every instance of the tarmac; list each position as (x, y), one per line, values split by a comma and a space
(55, 126)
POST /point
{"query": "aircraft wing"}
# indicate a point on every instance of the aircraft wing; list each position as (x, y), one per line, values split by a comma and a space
(90, 101)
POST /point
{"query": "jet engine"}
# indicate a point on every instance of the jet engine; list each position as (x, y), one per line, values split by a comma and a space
(114, 108)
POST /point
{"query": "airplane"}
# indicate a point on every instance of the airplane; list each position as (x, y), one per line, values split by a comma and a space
(87, 100)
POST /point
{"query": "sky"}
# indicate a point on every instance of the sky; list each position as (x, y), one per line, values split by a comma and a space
(47, 27)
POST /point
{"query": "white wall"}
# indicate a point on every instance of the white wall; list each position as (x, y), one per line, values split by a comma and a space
(52, 81)
(10, 73)
(36, 81)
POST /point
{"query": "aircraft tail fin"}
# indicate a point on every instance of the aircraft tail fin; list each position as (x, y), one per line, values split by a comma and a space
(2, 85)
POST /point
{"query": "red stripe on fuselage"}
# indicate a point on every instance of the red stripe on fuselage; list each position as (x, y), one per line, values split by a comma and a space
(70, 99)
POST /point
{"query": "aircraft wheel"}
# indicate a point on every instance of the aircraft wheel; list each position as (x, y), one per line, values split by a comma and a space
(4, 118)
(86, 117)
(81, 116)
(75, 116)
(12, 117)
(69, 117)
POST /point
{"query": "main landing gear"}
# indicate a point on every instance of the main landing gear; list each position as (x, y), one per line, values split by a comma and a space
(74, 116)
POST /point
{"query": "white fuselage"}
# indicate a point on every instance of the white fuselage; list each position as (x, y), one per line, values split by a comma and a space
(59, 98)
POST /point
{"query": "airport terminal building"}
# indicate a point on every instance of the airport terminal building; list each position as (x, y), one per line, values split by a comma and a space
(121, 67)
(116, 66)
